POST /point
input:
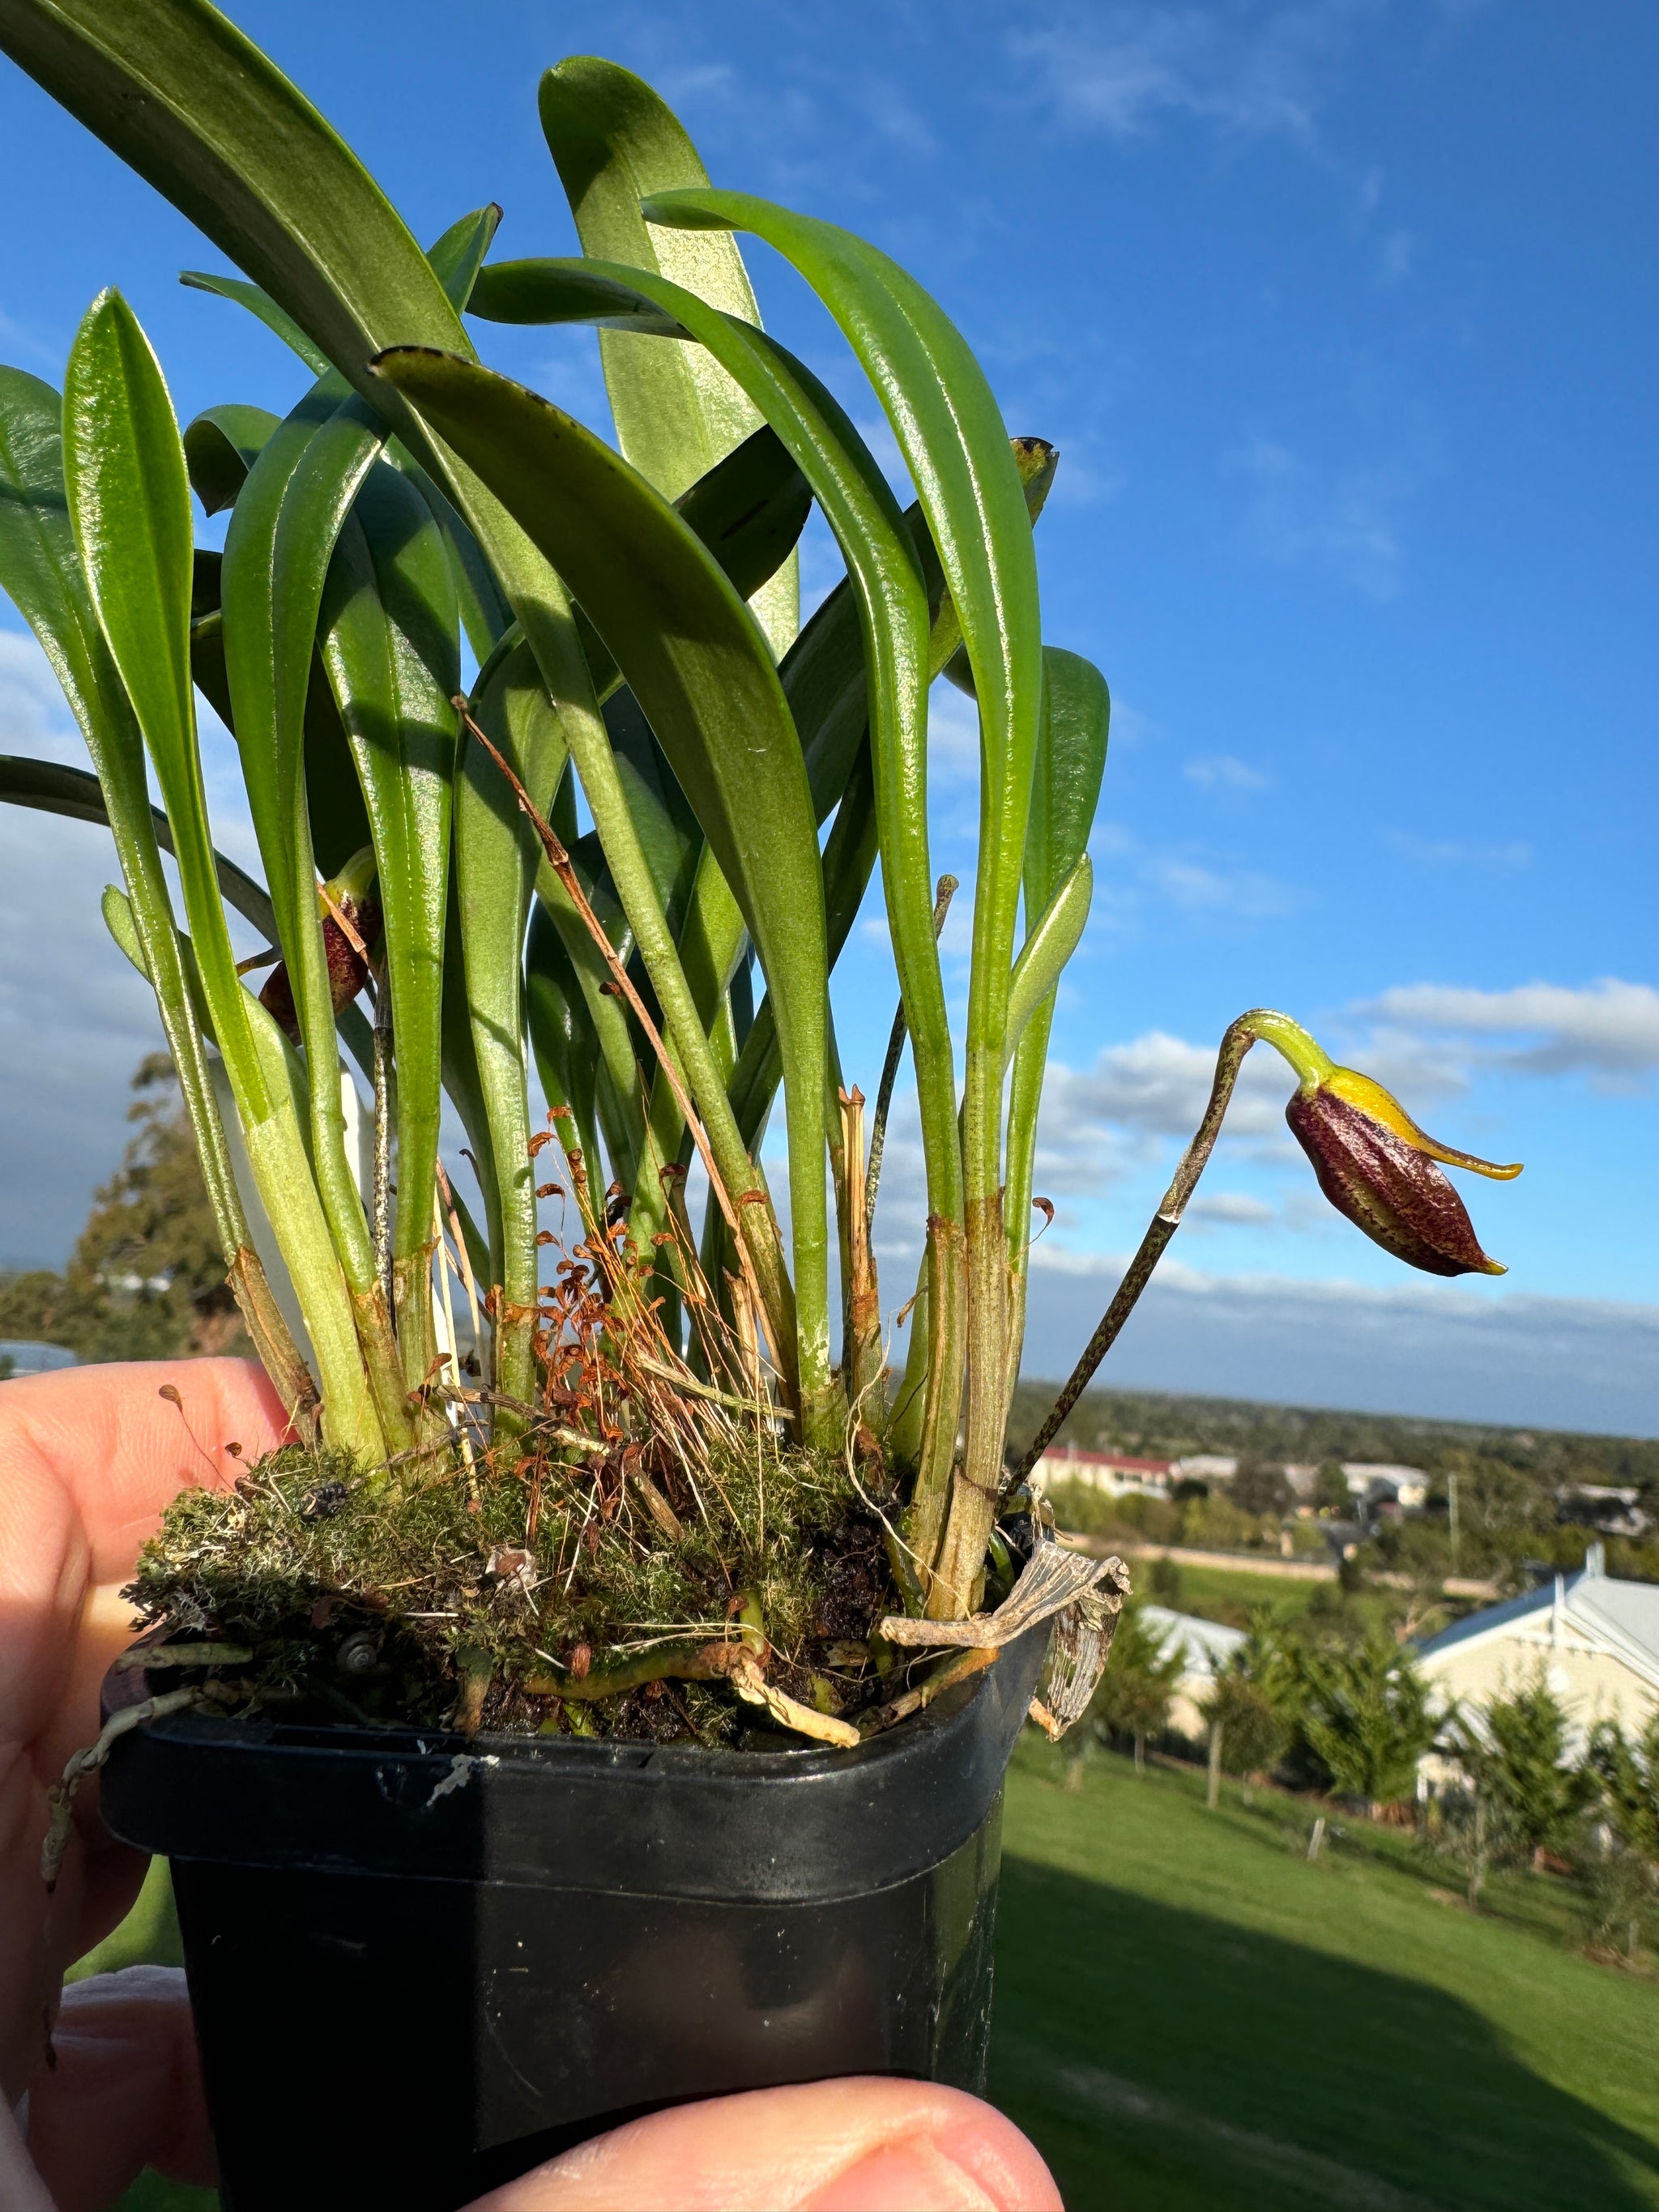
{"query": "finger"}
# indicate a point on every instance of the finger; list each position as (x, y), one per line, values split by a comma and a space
(92, 1455)
(862, 2145)
(89, 1457)
(126, 2093)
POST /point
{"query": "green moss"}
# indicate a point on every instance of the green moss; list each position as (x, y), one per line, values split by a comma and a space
(367, 1601)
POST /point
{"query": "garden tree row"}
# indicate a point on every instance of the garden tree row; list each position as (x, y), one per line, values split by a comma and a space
(1354, 1720)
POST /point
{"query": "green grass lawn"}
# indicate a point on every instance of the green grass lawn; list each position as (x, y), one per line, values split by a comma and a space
(1190, 2018)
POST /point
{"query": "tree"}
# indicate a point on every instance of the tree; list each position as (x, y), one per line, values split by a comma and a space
(1139, 1685)
(1331, 1493)
(1260, 1487)
(1251, 1708)
(1628, 1773)
(1365, 1717)
(146, 1280)
(1516, 1755)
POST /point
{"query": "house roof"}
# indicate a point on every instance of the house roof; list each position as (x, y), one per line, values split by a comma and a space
(1205, 1646)
(1071, 1454)
(1622, 1617)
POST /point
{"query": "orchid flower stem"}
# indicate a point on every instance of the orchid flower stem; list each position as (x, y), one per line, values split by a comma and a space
(1164, 1222)
(946, 891)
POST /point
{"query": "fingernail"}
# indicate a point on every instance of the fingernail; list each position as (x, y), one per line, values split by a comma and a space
(903, 2177)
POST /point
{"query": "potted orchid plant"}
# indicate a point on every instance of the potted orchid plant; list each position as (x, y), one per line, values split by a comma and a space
(607, 1692)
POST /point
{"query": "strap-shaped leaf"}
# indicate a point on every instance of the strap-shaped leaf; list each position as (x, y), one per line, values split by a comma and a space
(128, 503)
(41, 572)
(129, 498)
(699, 667)
(284, 529)
(1065, 793)
(221, 444)
(614, 140)
(52, 787)
(260, 304)
(950, 431)
(566, 1050)
(181, 93)
(891, 595)
(1048, 946)
(390, 643)
(948, 426)
(496, 854)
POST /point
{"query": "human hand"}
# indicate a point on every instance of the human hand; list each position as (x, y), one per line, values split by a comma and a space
(89, 1458)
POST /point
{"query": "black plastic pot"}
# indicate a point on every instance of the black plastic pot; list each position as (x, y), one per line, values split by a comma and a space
(420, 1966)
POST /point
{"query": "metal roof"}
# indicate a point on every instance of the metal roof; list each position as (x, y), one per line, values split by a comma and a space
(1205, 1646)
(1622, 1617)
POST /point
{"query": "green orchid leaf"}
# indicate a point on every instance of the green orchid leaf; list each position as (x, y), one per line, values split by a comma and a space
(1065, 793)
(750, 510)
(390, 641)
(849, 860)
(1050, 945)
(192, 105)
(54, 788)
(456, 259)
(951, 434)
(128, 504)
(260, 305)
(221, 444)
(497, 855)
(948, 426)
(41, 572)
(284, 527)
(712, 696)
(567, 1051)
(891, 597)
(613, 140)
(129, 500)
(283, 530)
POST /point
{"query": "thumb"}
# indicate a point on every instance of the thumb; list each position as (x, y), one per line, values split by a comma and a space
(870, 2145)
(124, 2093)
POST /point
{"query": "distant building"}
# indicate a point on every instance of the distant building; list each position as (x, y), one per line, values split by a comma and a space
(19, 1356)
(1115, 1473)
(1615, 1510)
(1205, 1466)
(1594, 1639)
(1381, 1484)
(1205, 1647)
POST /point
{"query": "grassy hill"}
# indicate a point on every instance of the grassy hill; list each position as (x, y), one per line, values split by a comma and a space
(1190, 2018)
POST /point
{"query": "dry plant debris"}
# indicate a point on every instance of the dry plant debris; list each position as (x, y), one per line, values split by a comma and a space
(647, 1555)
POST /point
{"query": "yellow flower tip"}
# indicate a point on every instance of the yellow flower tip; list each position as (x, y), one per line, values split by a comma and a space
(1494, 1267)
(1369, 1096)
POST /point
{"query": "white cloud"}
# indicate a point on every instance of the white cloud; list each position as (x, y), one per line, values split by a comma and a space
(1232, 1210)
(1450, 853)
(1343, 524)
(1418, 1348)
(1254, 71)
(1239, 892)
(1222, 772)
(896, 118)
(1609, 1030)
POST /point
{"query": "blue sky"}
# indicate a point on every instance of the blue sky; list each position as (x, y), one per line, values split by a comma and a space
(1341, 316)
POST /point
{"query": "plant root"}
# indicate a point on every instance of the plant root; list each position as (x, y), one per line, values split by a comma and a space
(60, 1798)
